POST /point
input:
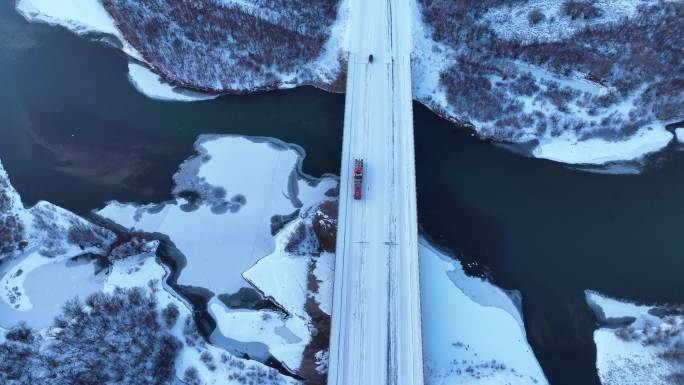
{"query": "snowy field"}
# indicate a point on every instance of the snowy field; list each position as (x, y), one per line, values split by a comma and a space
(230, 199)
(48, 284)
(38, 279)
(680, 134)
(572, 116)
(285, 277)
(41, 271)
(512, 22)
(473, 332)
(638, 344)
(213, 365)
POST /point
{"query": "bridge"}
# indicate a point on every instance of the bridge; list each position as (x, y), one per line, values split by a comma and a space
(376, 335)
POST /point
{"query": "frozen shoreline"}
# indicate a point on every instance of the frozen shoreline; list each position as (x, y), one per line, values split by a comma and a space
(430, 59)
(57, 239)
(573, 134)
(637, 344)
(488, 346)
(49, 240)
(226, 221)
(85, 17)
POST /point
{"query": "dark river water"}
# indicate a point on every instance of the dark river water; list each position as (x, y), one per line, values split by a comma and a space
(75, 132)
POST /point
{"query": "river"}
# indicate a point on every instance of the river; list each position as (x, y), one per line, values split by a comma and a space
(76, 133)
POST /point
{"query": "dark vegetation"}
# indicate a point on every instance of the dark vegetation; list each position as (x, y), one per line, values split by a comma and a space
(581, 9)
(85, 235)
(11, 228)
(666, 335)
(642, 55)
(11, 234)
(241, 371)
(535, 16)
(112, 339)
(324, 225)
(316, 232)
(217, 46)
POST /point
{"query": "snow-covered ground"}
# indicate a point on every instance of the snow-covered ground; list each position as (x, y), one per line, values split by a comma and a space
(38, 278)
(638, 344)
(232, 198)
(80, 16)
(39, 272)
(43, 285)
(153, 86)
(213, 365)
(90, 17)
(512, 22)
(568, 148)
(680, 134)
(228, 198)
(285, 277)
(473, 332)
(571, 118)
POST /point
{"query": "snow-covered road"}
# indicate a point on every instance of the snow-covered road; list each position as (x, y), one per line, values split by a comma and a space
(376, 322)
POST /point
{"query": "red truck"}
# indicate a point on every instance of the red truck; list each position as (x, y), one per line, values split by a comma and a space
(358, 178)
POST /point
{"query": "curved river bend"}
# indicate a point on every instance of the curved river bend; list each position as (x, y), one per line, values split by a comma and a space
(76, 133)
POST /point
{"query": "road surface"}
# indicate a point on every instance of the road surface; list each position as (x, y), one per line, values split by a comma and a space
(376, 333)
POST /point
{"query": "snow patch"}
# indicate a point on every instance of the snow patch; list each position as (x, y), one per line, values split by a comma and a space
(214, 366)
(153, 86)
(472, 330)
(568, 148)
(680, 134)
(283, 276)
(50, 237)
(79, 16)
(637, 344)
(325, 274)
(512, 22)
(222, 237)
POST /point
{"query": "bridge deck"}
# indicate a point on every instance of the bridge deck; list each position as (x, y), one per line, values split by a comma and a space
(376, 323)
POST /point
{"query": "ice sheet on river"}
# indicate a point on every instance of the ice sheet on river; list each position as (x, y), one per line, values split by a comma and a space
(232, 200)
(245, 215)
(44, 262)
(472, 330)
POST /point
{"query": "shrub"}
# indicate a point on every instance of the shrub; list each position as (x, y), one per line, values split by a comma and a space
(170, 315)
(535, 16)
(111, 339)
(581, 9)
